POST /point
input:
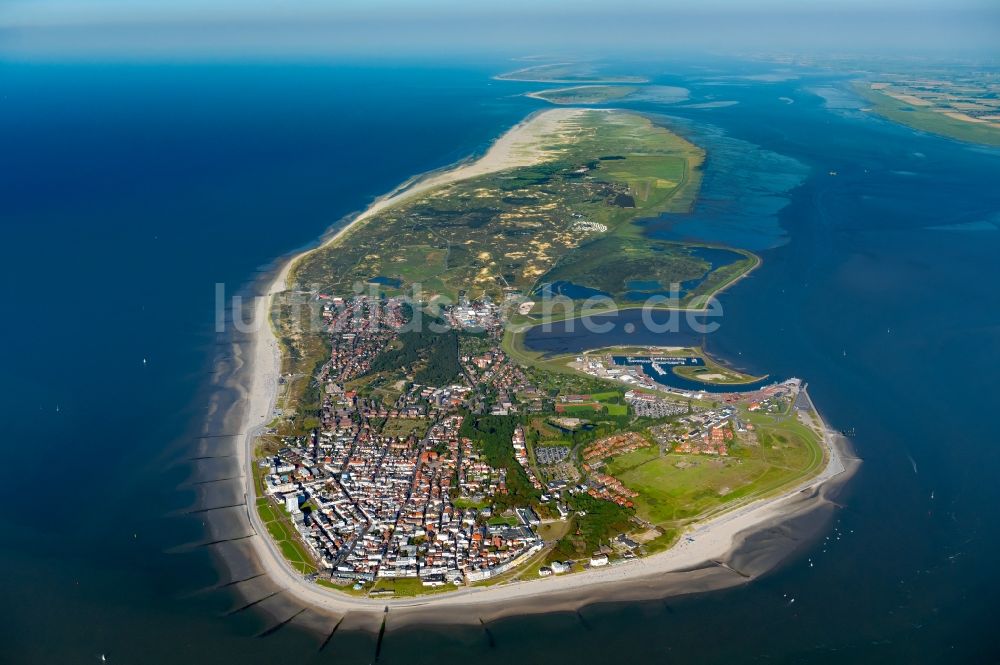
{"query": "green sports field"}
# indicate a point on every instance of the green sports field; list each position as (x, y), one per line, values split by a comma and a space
(676, 488)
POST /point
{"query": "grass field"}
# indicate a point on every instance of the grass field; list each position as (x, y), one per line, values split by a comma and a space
(926, 119)
(280, 527)
(403, 587)
(613, 401)
(592, 409)
(580, 410)
(504, 520)
(675, 488)
(406, 426)
(714, 373)
(464, 503)
(547, 437)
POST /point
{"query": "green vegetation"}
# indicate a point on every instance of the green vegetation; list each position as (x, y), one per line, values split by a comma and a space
(612, 402)
(503, 520)
(384, 386)
(552, 374)
(280, 527)
(601, 521)
(721, 278)
(675, 489)
(609, 403)
(714, 373)
(610, 264)
(259, 471)
(464, 503)
(585, 94)
(926, 118)
(302, 353)
(341, 587)
(492, 436)
(435, 353)
(570, 219)
(508, 229)
(540, 433)
(662, 542)
(442, 366)
(405, 586)
(403, 427)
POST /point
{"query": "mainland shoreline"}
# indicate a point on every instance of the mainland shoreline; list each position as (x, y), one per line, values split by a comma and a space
(694, 564)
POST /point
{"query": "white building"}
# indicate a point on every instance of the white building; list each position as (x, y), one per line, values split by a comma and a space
(558, 567)
(599, 560)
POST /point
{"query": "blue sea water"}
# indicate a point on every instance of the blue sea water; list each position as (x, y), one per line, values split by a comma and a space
(129, 191)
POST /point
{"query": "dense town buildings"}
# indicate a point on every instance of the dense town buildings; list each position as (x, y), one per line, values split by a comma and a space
(428, 457)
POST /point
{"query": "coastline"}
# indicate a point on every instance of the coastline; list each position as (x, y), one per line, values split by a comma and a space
(514, 148)
(690, 566)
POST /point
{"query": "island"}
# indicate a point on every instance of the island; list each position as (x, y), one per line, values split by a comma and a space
(585, 94)
(958, 104)
(404, 441)
(591, 95)
(569, 72)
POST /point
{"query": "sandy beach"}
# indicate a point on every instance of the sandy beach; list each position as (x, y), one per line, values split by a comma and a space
(695, 557)
(525, 144)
